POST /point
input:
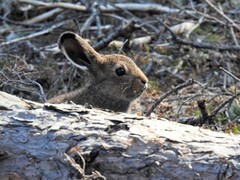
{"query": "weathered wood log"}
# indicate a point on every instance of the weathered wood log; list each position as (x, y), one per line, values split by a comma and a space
(71, 141)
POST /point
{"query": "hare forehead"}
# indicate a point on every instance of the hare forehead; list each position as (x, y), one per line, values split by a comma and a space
(121, 60)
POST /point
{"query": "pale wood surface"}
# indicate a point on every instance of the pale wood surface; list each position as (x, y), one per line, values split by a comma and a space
(35, 137)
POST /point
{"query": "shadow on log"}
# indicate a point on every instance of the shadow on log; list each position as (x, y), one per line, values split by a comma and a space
(46, 141)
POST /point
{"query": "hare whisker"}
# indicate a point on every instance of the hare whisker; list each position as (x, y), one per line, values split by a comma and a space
(125, 88)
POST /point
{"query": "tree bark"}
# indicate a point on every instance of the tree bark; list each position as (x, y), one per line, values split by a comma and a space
(46, 141)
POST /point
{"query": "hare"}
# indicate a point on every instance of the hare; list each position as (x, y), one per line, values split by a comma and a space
(116, 79)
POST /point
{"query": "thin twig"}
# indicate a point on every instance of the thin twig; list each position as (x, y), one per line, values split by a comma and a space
(222, 14)
(234, 36)
(43, 16)
(216, 47)
(231, 28)
(230, 74)
(217, 109)
(195, 26)
(17, 23)
(73, 163)
(82, 159)
(34, 35)
(207, 16)
(90, 20)
(55, 5)
(42, 94)
(199, 119)
(174, 90)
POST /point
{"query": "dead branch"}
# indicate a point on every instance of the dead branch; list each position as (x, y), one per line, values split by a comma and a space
(216, 47)
(89, 21)
(217, 109)
(34, 35)
(43, 16)
(25, 81)
(234, 36)
(145, 7)
(55, 5)
(223, 104)
(204, 118)
(174, 90)
(222, 14)
(230, 74)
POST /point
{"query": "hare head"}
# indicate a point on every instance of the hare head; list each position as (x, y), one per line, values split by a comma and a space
(116, 79)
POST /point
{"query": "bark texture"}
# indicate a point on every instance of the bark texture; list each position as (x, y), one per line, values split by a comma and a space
(71, 141)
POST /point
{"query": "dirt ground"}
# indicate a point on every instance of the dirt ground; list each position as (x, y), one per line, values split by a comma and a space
(196, 42)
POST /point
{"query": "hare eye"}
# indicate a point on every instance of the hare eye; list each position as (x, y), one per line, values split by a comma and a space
(120, 71)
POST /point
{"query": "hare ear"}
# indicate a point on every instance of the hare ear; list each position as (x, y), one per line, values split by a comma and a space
(77, 50)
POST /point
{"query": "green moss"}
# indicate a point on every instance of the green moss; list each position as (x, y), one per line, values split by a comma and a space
(234, 109)
(214, 38)
(153, 86)
(209, 35)
(2, 63)
(203, 30)
(236, 130)
(196, 113)
(147, 51)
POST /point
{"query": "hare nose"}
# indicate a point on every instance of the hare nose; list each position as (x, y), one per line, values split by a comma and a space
(143, 81)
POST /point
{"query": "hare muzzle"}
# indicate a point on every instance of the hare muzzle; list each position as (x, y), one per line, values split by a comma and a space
(139, 85)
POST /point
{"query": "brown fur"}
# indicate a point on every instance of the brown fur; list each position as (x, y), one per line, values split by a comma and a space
(106, 90)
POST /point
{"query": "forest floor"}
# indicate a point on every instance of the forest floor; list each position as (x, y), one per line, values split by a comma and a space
(189, 50)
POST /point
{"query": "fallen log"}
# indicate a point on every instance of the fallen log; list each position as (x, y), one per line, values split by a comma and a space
(46, 141)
